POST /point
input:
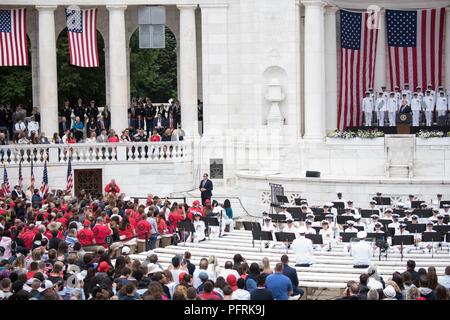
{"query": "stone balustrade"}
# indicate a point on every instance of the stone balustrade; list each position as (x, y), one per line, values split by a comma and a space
(129, 152)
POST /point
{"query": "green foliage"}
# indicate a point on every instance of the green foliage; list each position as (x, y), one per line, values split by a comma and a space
(73, 81)
(154, 71)
(15, 84)
(153, 74)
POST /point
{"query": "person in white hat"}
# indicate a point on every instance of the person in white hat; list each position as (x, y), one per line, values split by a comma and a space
(351, 206)
(358, 222)
(351, 226)
(445, 210)
(428, 245)
(395, 223)
(309, 228)
(290, 228)
(387, 215)
(373, 207)
(371, 225)
(361, 251)
(303, 249)
(327, 235)
(268, 226)
(199, 227)
(389, 293)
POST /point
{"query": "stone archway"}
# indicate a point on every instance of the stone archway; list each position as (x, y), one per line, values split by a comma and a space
(153, 72)
(73, 81)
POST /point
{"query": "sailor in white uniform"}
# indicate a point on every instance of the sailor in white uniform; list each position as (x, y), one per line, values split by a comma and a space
(268, 226)
(441, 105)
(367, 108)
(199, 227)
(327, 235)
(416, 107)
(309, 228)
(290, 228)
(407, 92)
(351, 228)
(381, 108)
(392, 107)
(303, 250)
(429, 103)
(361, 251)
(371, 225)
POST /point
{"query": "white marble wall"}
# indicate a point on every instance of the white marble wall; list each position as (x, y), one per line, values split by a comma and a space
(133, 179)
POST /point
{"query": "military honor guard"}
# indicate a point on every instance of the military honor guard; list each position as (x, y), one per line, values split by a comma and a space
(392, 107)
(429, 108)
(441, 105)
(407, 92)
(367, 108)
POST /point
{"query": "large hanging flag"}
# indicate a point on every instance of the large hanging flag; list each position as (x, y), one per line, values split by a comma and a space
(13, 38)
(415, 42)
(82, 34)
(69, 177)
(44, 185)
(357, 64)
(20, 176)
(6, 187)
(32, 179)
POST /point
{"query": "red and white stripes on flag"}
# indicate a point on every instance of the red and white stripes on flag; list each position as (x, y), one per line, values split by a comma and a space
(417, 62)
(69, 177)
(82, 35)
(13, 38)
(357, 64)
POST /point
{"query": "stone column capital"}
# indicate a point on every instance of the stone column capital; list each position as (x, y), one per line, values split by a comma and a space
(314, 3)
(116, 7)
(187, 6)
(46, 8)
(330, 10)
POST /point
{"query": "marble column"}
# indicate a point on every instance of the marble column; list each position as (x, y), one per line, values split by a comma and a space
(331, 105)
(188, 70)
(381, 66)
(447, 52)
(107, 88)
(314, 70)
(118, 80)
(48, 82)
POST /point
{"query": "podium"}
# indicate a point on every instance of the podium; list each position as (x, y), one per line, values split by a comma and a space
(404, 123)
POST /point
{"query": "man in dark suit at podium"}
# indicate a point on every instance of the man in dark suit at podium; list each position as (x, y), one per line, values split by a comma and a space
(405, 107)
(206, 187)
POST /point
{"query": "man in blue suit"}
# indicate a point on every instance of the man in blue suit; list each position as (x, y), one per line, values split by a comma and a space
(206, 187)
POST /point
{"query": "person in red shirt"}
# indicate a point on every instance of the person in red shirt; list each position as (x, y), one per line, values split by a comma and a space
(112, 187)
(143, 228)
(27, 235)
(101, 231)
(162, 226)
(113, 136)
(195, 208)
(208, 293)
(155, 137)
(174, 217)
(126, 230)
(85, 236)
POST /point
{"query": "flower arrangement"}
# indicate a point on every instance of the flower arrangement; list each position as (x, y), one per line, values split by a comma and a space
(426, 134)
(363, 134)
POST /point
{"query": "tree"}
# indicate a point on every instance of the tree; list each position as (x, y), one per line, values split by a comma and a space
(153, 72)
(73, 81)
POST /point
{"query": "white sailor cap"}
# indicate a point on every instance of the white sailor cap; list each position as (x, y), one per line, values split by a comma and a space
(324, 222)
(440, 216)
(303, 206)
(414, 217)
(435, 210)
(357, 216)
(430, 223)
(395, 215)
(310, 215)
(373, 202)
(289, 220)
(308, 222)
(388, 210)
(378, 224)
(403, 225)
(350, 222)
(329, 216)
(375, 216)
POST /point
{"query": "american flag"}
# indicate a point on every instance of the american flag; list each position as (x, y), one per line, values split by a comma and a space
(415, 42)
(13, 38)
(6, 186)
(82, 34)
(357, 64)
(44, 185)
(32, 178)
(69, 177)
(20, 176)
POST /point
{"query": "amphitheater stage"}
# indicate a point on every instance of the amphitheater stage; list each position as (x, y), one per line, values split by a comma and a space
(324, 279)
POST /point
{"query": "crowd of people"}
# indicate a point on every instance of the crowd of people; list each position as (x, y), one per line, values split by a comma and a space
(424, 105)
(82, 122)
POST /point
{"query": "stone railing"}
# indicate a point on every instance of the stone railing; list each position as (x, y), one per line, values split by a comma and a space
(176, 151)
